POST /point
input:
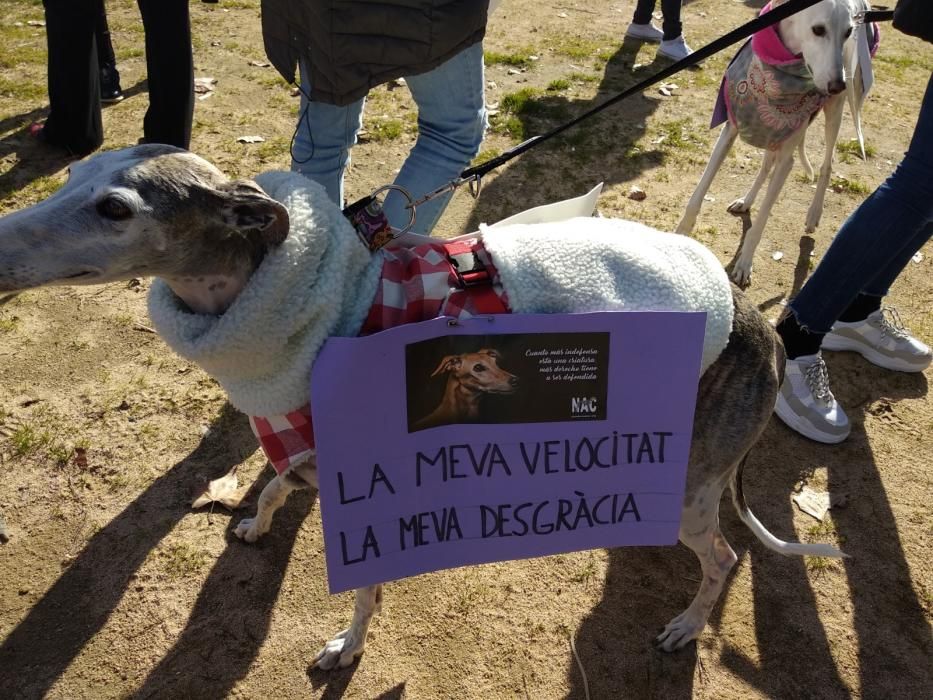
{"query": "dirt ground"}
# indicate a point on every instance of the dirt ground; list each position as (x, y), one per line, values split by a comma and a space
(112, 586)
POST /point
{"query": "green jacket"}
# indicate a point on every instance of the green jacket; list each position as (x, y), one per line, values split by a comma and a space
(350, 46)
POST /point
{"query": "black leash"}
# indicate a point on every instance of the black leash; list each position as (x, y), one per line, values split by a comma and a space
(473, 175)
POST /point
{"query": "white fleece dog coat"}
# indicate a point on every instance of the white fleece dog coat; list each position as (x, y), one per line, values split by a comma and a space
(321, 282)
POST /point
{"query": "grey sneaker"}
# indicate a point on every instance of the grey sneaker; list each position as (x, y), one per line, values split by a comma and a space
(645, 32)
(675, 49)
(882, 340)
(807, 405)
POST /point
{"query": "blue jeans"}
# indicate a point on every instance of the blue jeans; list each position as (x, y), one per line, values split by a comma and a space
(879, 238)
(451, 123)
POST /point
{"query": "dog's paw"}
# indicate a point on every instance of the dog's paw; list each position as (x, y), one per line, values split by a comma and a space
(679, 632)
(813, 220)
(738, 206)
(339, 652)
(249, 530)
(742, 273)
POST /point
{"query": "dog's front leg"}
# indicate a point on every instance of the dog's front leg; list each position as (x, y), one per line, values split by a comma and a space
(742, 272)
(273, 497)
(343, 649)
(833, 114)
(720, 151)
(743, 204)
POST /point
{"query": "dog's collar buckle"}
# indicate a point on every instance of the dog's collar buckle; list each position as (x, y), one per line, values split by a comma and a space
(468, 267)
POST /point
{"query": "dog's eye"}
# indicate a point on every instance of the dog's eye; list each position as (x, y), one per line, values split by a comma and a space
(819, 30)
(114, 209)
(479, 368)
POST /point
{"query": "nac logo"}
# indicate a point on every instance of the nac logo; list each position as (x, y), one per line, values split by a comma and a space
(583, 405)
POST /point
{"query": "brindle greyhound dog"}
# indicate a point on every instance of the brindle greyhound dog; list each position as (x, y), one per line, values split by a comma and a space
(157, 210)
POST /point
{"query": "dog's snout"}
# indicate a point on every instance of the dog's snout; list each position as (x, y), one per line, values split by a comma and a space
(836, 86)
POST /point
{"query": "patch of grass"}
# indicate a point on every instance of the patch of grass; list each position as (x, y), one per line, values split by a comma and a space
(518, 58)
(486, 155)
(26, 440)
(584, 77)
(8, 325)
(845, 185)
(509, 124)
(512, 107)
(60, 453)
(921, 60)
(123, 319)
(130, 51)
(520, 102)
(587, 573)
(40, 189)
(822, 531)
(182, 560)
(270, 149)
(849, 150)
(578, 48)
(22, 89)
(819, 565)
(675, 136)
(274, 80)
(558, 85)
(383, 130)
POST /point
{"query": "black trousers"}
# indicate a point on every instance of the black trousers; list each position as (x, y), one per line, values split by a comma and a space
(74, 121)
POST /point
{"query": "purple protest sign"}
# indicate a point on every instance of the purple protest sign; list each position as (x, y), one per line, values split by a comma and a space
(502, 437)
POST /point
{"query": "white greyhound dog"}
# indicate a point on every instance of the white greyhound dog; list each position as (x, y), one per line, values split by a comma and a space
(213, 243)
(772, 90)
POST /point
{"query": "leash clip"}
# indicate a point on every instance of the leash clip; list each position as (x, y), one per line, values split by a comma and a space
(367, 216)
(859, 17)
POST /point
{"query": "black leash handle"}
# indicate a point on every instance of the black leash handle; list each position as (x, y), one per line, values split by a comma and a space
(743, 32)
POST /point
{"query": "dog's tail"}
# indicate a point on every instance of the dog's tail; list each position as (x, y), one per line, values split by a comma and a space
(855, 95)
(762, 533)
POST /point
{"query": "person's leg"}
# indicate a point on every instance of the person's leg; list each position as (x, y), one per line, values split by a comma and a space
(105, 54)
(74, 121)
(673, 44)
(451, 124)
(106, 60)
(670, 9)
(169, 72)
(878, 239)
(322, 142)
(865, 257)
(643, 10)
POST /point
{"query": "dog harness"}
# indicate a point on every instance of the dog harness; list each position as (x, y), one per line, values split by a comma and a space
(767, 92)
(455, 279)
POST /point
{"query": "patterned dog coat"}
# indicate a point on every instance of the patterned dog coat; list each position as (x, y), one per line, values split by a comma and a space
(767, 92)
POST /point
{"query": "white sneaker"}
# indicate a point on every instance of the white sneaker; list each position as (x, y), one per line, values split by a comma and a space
(807, 405)
(675, 49)
(882, 340)
(645, 32)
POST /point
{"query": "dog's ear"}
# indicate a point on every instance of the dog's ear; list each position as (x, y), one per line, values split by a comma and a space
(246, 207)
(448, 364)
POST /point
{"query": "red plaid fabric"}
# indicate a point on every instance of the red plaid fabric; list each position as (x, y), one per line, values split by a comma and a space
(420, 283)
(416, 284)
